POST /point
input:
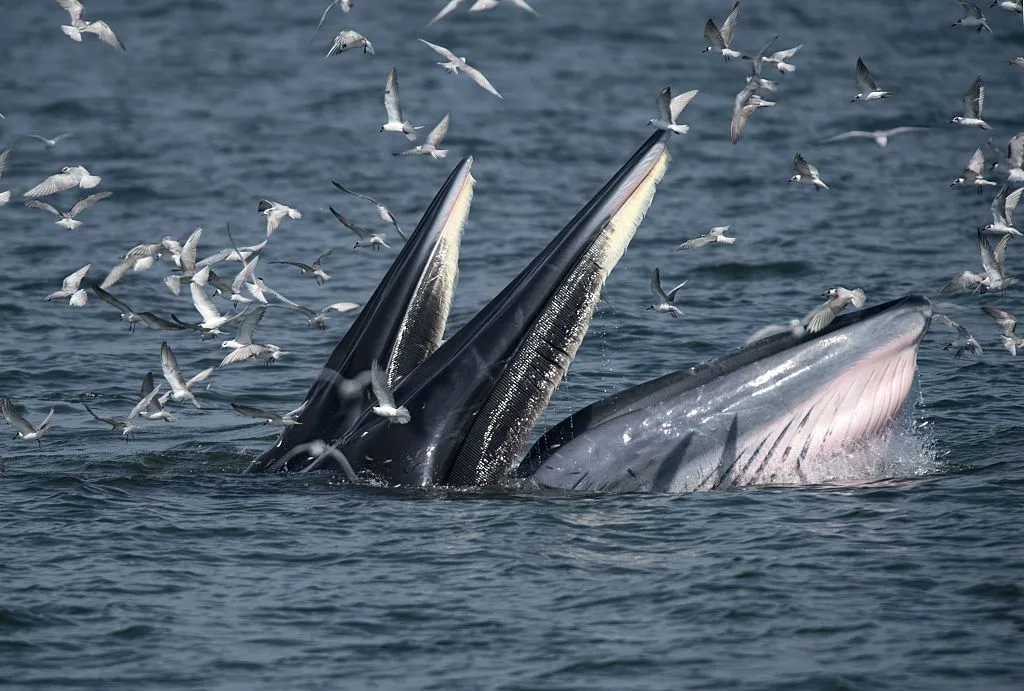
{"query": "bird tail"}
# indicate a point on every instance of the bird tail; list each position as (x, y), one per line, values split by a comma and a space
(72, 32)
(89, 181)
(439, 153)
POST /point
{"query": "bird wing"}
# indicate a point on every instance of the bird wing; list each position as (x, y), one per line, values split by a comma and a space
(53, 184)
(288, 303)
(72, 282)
(1015, 149)
(962, 282)
(903, 129)
(437, 134)
(249, 411)
(444, 52)
(1010, 204)
(523, 5)
(970, 9)
(111, 300)
(14, 418)
(656, 286)
(84, 203)
(1006, 320)
(247, 327)
(713, 36)
(110, 421)
(105, 34)
(144, 402)
(244, 275)
(730, 24)
(241, 354)
(664, 104)
(821, 317)
(74, 8)
(671, 295)
(445, 11)
(187, 258)
(863, 77)
(974, 98)
(201, 377)
(977, 163)
(783, 55)
(998, 204)
(147, 385)
(203, 304)
(3, 161)
(355, 194)
(117, 273)
(677, 104)
(363, 233)
(478, 77)
(481, 5)
(169, 365)
(695, 243)
(340, 307)
(801, 166)
(999, 254)
(35, 204)
(298, 265)
(391, 98)
(155, 322)
(379, 382)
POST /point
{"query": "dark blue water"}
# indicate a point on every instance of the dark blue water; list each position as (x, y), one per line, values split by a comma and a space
(156, 564)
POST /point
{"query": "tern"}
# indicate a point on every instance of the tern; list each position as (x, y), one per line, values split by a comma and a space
(972, 175)
(23, 427)
(1019, 62)
(68, 177)
(393, 106)
(720, 40)
(972, 17)
(181, 390)
(155, 410)
(666, 301)
(1008, 322)
(974, 102)
(747, 101)
(185, 259)
(367, 238)
(348, 39)
(268, 416)
(669, 109)
(454, 63)
(1014, 159)
(276, 213)
(992, 262)
(964, 341)
(837, 300)
(715, 235)
(79, 26)
(49, 143)
(386, 406)
(431, 146)
(317, 319)
(382, 210)
(4, 196)
(345, 5)
(268, 352)
(880, 137)
(1015, 6)
(212, 318)
(133, 318)
(246, 328)
(70, 289)
(1002, 212)
(779, 60)
(869, 91)
(138, 258)
(127, 426)
(314, 270)
(67, 218)
(807, 173)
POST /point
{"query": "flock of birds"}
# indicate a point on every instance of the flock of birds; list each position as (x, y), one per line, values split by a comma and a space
(251, 297)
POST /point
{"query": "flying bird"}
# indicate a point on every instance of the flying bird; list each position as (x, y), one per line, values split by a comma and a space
(393, 107)
(68, 177)
(747, 101)
(972, 17)
(349, 40)
(992, 263)
(77, 297)
(4, 196)
(1008, 323)
(720, 40)
(1014, 159)
(974, 102)
(155, 410)
(49, 143)
(780, 59)
(317, 319)
(268, 416)
(434, 139)
(79, 26)
(366, 237)
(181, 390)
(805, 172)
(276, 213)
(133, 318)
(666, 301)
(25, 430)
(964, 341)
(837, 300)
(127, 426)
(972, 175)
(669, 109)
(1002, 212)
(386, 407)
(880, 137)
(715, 235)
(382, 210)
(314, 270)
(138, 258)
(868, 90)
(454, 63)
(67, 218)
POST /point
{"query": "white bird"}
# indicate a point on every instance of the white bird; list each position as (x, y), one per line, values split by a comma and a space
(268, 352)
(715, 235)
(314, 270)
(276, 213)
(393, 106)
(972, 175)
(23, 427)
(481, 5)
(366, 237)
(434, 139)
(454, 63)
(972, 17)
(838, 299)
(212, 318)
(780, 59)
(181, 390)
(382, 210)
(974, 103)
(1008, 322)
(869, 91)
(345, 6)
(79, 26)
(1015, 6)
(4, 196)
(246, 328)
(1014, 160)
(1002, 212)
(67, 218)
(68, 177)
(184, 257)
(349, 40)
(666, 301)
(805, 172)
(386, 407)
(669, 109)
(880, 137)
(70, 289)
(1019, 62)
(992, 263)
(747, 101)
(268, 416)
(138, 258)
(964, 341)
(720, 40)
(155, 410)
(50, 143)
(127, 426)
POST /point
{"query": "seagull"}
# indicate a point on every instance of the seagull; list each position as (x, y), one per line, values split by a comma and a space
(317, 319)
(79, 26)
(77, 296)
(155, 410)
(964, 340)
(1002, 212)
(4, 196)
(747, 101)
(481, 5)
(133, 318)
(181, 390)
(386, 407)
(972, 17)
(185, 259)
(455, 63)
(1008, 322)
(23, 427)
(367, 238)
(68, 177)
(778, 60)
(67, 218)
(715, 235)
(127, 426)
(348, 40)
(805, 172)
(246, 328)
(393, 107)
(974, 102)
(345, 5)
(314, 270)
(992, 262)
(881, 137)
(276, 213)
(138, 258)
(1014, 160)
(972, 175)
(837, 300)
(869, 91)
(666, 301)
(719, 40)
(268, 416)
(434, 139)
(50, 143)
(385, 214)
(669, 109)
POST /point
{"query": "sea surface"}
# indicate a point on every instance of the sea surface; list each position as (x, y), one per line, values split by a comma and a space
(156, 564)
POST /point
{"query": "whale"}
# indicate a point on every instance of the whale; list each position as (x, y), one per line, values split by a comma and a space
(778, 410)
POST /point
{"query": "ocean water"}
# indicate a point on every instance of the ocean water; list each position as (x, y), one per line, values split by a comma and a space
(157, 564)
